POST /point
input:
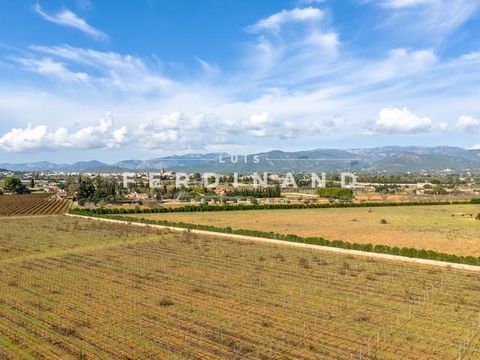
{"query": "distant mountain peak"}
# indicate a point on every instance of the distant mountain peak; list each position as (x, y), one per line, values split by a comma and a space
(384, 158)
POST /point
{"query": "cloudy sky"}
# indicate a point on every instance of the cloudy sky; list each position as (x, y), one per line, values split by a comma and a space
(91, 79)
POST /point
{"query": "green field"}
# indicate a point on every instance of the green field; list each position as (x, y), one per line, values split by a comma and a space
(450, 229)
(81, 289)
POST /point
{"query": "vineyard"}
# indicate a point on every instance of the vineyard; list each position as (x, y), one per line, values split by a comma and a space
(86, 289)
(32, 204)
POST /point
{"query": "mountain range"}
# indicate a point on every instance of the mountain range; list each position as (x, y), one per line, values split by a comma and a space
(379, 159)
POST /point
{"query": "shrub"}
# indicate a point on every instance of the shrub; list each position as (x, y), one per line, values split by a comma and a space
(383, 221)
(165, 302)
(63, 330)
(303, 262)
(320, 261)
(279, 257)
(363, 317)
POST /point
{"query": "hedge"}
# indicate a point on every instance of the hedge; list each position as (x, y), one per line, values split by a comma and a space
(381, 249)
(242, 207)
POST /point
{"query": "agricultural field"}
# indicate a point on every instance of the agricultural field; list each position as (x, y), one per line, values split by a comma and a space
(81, 289)
(449, 229)
(32, 204)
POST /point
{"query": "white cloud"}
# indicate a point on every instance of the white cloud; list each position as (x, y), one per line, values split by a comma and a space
(327, 41)
(199, 130)
(24, 139)
(468, 124)
(267, 125)
(275, 22)
(399, 4)
(40, 137)
(50, 68)
(293, 55)
(415, 60)
(440, 17)
(401, 63)
(70, 19)
(208, 68)
(401, 121)
(260, 125)
(119, 137)
(195, 115)
(176, 128)
(106, 69)
(289, 85)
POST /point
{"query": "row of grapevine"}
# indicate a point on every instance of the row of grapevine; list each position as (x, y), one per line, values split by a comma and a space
(32, 204)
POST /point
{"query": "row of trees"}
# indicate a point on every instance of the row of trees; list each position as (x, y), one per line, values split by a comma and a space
(267, 192)
(242, 207)
(336, 193)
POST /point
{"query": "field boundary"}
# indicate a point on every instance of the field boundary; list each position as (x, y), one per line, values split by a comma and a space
(366, 254)
(410, 252)
(242, 207)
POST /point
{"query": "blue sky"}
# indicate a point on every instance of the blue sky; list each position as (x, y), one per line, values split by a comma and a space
(89, 79)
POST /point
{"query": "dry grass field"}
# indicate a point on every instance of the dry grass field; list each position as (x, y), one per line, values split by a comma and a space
(80, 289)
(447, 229)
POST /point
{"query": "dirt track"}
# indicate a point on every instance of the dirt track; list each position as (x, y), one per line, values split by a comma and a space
(301, 245)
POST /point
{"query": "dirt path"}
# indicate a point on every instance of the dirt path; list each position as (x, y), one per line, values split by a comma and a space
(295, 244)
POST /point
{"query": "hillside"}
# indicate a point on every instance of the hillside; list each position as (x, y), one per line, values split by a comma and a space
(379, 159)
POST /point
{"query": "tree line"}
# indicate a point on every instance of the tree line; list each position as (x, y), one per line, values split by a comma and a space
(260, 192)
(336, 193)
(242, 207)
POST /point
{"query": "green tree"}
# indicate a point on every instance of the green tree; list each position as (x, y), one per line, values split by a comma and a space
(86, 189)
(13, 184)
